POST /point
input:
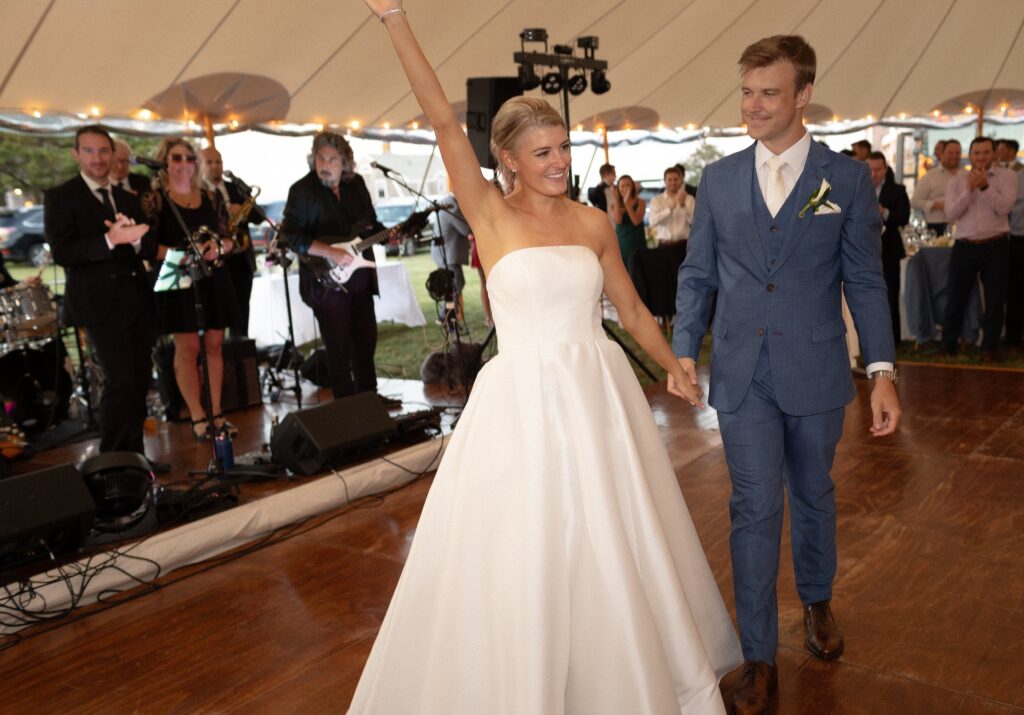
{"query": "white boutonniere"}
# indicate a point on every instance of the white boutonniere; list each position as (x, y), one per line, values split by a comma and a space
(818, 201)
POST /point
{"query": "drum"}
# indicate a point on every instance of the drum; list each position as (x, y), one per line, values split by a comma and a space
(35, 386)
(27, 313)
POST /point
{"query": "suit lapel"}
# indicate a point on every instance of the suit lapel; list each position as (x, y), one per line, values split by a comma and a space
(744, 195)
(815, 169)
(89, 200)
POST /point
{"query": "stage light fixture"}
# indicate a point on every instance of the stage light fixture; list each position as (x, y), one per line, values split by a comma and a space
(552, 83)
(528, 78)
(535, 34)
(577, 84)
(563, 50)
(599, 83)
(587, 42)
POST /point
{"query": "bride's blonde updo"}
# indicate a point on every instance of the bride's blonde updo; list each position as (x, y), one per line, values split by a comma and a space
(515, 117)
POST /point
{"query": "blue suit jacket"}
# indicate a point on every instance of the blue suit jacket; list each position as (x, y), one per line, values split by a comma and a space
(795, 304)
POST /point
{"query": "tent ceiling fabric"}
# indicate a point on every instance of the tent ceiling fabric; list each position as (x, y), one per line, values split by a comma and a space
(676, 58)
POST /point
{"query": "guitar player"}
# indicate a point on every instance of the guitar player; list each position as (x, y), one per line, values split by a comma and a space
(331, 201)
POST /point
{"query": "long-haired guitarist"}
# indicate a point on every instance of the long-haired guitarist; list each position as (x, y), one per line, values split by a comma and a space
(327, 206)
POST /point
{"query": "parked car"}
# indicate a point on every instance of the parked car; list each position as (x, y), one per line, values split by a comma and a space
(260, 234)
(395, 211)
(23, 241)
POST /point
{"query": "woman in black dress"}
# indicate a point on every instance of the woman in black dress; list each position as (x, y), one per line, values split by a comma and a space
(175, 297)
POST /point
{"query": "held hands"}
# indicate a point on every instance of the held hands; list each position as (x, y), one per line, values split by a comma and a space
(685, 385)
(885, 408)
(124, 230)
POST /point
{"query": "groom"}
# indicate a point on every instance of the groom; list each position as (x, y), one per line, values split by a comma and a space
(781, 231)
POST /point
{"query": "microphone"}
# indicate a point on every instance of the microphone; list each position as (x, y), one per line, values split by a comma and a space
(149, 163)
(383, 169)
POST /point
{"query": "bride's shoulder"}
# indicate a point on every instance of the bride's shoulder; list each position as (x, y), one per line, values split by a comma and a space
(591, 217)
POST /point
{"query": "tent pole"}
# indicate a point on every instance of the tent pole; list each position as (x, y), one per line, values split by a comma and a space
(208, 131)
(604, 142)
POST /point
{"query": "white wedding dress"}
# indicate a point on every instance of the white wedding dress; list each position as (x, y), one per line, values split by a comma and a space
(555, 568)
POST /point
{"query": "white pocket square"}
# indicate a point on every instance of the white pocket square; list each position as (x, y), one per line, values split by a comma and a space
(827, 208)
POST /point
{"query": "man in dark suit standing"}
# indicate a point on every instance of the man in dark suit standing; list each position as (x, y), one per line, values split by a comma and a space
(598, 195)
(120, 171)
(894, 205)
(241, 261)
(780, 232)
(92, 230)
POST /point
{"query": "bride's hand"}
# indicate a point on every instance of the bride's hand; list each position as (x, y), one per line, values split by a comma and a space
(378, 7)
(686, 385)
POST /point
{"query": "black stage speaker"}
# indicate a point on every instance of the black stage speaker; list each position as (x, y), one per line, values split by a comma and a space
(311, 440)
(49, 511)
(241, 386)
(241, 375)
(484, 96)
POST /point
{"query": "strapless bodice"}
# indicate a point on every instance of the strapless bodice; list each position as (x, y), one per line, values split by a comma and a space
(546, 295)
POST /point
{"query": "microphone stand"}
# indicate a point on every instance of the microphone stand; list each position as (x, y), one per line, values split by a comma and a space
(451, 322)
(279, 254)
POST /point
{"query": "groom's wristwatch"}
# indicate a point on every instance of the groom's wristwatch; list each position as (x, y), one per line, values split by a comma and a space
(892, 375)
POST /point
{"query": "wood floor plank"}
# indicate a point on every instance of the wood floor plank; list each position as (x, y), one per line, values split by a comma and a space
(929, 591)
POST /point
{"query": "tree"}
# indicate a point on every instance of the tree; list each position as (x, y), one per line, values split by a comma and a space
(33, 163)
(705, 154)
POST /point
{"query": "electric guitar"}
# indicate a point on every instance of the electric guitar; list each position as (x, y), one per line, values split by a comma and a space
(333, 275)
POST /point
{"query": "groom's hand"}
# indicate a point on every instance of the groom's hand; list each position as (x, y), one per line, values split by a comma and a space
(686, 385)
(885, 408)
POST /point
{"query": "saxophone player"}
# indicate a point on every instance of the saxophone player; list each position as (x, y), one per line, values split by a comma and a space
(242, 261)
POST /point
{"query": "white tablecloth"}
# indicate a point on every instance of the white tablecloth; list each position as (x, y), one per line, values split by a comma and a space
(268, 319)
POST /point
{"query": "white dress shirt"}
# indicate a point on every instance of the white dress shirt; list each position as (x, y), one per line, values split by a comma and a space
(794, 158)
(671, 222)
(94, 187)
(931, 188)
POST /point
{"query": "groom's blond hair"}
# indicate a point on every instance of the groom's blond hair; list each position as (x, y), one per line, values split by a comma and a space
(782, 48)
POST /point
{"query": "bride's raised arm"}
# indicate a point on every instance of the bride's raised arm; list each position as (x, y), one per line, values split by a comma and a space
(474, 192)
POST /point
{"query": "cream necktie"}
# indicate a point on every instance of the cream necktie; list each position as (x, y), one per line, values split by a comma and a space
(775, 191)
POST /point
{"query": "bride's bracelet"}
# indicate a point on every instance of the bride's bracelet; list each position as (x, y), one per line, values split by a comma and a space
(390, 12)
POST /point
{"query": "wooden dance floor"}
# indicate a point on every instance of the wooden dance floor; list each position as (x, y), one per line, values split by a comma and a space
(930, 588)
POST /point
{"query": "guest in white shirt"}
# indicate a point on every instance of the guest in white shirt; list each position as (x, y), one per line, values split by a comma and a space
(930, 193)
(671, 212)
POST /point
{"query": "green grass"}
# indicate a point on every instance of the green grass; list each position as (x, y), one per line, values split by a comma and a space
(401, 350)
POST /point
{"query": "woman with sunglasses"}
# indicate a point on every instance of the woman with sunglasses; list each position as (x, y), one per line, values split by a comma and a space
(175, 296)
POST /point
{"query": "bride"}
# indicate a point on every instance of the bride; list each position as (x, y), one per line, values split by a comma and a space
(555, 567)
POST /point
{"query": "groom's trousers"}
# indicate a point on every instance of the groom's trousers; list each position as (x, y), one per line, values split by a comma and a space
(769, 452)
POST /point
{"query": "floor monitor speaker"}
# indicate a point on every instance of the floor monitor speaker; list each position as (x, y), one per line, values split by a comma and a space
(311, 440)
(44, 512)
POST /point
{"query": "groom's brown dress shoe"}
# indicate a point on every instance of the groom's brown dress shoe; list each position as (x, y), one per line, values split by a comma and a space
(754, 687)
(824, 639)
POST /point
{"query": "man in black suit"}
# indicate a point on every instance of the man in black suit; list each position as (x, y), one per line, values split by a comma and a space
(894, 205)
(598, 195)
(328, 205)
(92, 230)
(120, 171)
(241, 261)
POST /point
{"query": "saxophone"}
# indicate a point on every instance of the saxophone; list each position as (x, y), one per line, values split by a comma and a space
(242, 239)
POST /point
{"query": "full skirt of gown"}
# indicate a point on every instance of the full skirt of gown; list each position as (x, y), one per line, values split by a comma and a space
(555, 567)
